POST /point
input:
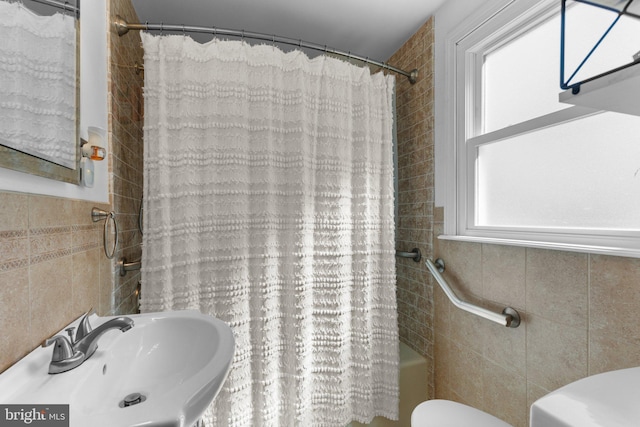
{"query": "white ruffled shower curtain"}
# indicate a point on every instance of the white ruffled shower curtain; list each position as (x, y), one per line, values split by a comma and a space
(269, 204)
(37, 88)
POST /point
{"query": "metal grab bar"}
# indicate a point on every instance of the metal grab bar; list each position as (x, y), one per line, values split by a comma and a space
(414, 254)
(128, 266)
(509, 317)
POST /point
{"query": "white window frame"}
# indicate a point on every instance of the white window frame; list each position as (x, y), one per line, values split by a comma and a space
(464, 49)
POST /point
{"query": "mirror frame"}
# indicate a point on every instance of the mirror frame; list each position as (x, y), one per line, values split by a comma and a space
(26, 163)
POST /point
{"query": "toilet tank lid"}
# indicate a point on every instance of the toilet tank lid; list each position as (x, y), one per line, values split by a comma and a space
(445, 413)
(605, 399)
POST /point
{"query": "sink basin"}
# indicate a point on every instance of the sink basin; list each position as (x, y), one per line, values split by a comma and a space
(609, 399)
(176, 360)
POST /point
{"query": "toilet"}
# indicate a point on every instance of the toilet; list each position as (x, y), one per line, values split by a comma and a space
(606, 399)
(445, 413)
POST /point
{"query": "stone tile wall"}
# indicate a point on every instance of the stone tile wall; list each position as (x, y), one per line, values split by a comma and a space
(415, 121)
(126, 111)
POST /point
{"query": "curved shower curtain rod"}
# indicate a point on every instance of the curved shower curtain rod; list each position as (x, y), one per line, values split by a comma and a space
(123, 27)
(60, 4)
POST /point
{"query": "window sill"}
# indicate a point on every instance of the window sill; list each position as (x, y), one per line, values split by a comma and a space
(569, 247)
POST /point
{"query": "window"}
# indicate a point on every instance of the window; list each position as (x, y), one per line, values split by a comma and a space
(529, 169)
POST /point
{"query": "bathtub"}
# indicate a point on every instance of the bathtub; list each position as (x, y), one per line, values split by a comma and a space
(413, 389)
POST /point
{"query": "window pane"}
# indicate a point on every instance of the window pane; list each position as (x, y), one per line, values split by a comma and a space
(581, 174)
(521, 79)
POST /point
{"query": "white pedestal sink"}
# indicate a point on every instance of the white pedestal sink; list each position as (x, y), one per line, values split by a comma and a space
(611, 399)
(177, 361)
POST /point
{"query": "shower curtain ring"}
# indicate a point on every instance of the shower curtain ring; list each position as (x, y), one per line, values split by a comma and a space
(183, 32)
(242, 35)
(162, 28)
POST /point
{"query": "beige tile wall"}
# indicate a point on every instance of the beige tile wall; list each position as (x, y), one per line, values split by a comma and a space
(52, 269)
(580, 312)
(414, 106)
(580, 317)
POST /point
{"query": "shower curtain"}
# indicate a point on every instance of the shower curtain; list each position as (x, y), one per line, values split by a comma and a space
(269, 204)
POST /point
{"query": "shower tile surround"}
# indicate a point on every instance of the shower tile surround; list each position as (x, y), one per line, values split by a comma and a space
(52, 263)
(415, 123)
(126, 112)
(579, 311)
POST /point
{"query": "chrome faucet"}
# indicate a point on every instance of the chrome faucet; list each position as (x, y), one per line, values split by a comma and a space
(64, 358)
(87, 337)
(69, 353)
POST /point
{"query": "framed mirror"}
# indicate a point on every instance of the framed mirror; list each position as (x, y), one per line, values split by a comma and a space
(39, 88)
